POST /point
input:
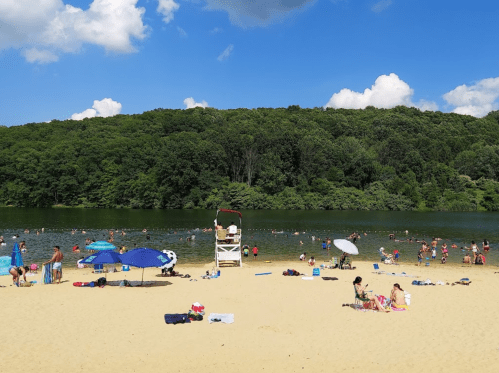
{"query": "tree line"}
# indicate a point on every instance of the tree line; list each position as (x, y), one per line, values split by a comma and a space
(265, 158)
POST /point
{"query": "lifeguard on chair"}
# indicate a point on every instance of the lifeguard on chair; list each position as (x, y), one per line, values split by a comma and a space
(228, 241)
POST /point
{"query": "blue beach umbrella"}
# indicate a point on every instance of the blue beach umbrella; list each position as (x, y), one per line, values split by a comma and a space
(17, 259)
(101, 245)
(102, 257)
(144, 257)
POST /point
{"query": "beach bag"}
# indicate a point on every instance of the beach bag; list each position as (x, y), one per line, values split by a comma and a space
(101, 281)
(198, 308)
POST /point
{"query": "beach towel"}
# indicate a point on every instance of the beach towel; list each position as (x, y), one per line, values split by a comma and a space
(227, 318)
(177, 318)
(307, 278)
(47, 273)
(330, 278)
(401, 307)
(84, 284)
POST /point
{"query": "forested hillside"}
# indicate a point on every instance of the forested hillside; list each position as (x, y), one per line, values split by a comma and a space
(373, 159)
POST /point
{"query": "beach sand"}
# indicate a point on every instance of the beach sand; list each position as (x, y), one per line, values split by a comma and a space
(282, 324)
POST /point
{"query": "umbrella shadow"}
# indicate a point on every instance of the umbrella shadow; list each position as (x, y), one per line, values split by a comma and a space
(145, 284)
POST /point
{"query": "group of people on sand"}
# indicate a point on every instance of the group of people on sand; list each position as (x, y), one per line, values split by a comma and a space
(18, 271)
(397, 297)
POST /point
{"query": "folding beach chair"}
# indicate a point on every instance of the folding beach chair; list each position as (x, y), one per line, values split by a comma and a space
(376, 269)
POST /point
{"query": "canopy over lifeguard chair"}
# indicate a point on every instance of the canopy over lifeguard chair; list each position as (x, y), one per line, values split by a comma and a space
(228, 241)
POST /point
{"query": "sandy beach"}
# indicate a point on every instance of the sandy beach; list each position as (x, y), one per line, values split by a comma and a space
(282, 324)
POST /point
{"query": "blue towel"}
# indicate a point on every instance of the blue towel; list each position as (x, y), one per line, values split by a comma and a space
(177, 318)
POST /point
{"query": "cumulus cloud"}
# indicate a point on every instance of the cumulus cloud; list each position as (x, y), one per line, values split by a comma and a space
(248, 13)
(50, 27)
(477, 100)
(226, 53)
(103, 108)
(167, 8)
(388, 91)
(191, 103)
(380, 6)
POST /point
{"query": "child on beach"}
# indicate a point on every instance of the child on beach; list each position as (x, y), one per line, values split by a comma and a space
(255, 252)
(303, 256)
(311, 262)
(433, 253)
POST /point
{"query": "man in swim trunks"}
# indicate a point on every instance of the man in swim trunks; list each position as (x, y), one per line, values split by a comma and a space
(57, 260)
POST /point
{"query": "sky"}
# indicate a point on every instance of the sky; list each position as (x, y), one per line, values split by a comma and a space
(73, 59)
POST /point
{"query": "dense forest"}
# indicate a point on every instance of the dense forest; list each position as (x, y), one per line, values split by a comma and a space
(285, 158)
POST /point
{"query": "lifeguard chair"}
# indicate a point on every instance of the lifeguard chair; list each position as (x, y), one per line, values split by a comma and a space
(228, 241)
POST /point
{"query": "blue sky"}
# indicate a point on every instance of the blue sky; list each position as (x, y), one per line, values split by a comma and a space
(62, 59)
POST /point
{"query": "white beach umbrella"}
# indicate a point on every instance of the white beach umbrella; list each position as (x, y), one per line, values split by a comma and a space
(346, 246)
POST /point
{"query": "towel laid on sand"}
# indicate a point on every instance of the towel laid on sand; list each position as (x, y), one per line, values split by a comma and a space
(227, 318)
(330, 278)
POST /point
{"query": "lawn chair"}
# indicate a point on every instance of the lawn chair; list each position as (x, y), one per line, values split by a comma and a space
(98, 268)
(376, 269)
(347, 262)
(361, 301)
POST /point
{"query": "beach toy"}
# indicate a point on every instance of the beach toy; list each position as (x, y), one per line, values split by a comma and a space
(263, 274)
(125, 268)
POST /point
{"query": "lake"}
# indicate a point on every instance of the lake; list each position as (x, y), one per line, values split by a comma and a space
(169, 229)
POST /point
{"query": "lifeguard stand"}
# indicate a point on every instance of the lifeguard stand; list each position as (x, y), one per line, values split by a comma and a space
(228, 242)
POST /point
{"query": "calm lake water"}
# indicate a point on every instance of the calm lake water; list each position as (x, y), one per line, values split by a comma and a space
(169, 229)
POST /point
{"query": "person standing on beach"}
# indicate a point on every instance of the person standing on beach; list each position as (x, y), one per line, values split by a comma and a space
(57, 260)
(255, 252)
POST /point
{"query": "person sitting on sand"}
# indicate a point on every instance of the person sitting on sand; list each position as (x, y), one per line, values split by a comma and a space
(303, 256)
(480, 259)
(467, 259)
(361, 292)
(397, 297)
(311, 262)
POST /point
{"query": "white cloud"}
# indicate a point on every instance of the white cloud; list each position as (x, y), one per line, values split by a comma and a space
(104, 108)
(226, 53)
(167, 8)
(248, 13)
(41, 56)
(51, 27)
(388, 91)
(477, 100)
(182, 32)
(380, 6)
(191, 103)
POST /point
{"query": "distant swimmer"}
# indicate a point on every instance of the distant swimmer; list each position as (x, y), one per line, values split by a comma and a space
(144, 230)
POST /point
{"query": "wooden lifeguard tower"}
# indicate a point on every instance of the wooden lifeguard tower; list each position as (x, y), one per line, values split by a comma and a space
(228, 241)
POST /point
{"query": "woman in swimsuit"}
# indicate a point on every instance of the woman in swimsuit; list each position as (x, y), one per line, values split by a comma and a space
(397, 296)
(486, 246)
(16, 273)
(360, 290)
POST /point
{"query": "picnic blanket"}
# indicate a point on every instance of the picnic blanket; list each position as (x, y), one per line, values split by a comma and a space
(227, 318)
